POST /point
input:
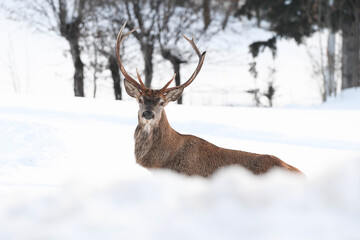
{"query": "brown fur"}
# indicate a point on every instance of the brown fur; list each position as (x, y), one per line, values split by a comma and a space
(163, 147)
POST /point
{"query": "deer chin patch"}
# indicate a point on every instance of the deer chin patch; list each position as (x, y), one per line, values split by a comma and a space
(147, 127)
(147, 124)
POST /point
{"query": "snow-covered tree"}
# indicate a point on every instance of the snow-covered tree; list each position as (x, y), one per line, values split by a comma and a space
(300, 19)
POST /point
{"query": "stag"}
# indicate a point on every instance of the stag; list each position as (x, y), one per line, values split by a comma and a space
(158, 145)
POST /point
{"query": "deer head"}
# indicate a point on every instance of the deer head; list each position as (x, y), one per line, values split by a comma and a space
(151, 101)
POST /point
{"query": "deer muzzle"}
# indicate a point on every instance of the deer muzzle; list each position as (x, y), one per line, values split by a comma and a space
(148, 115)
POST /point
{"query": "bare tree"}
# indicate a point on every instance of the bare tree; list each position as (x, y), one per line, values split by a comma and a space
(255, 91)
(99, 41)
(63, 17)
(108, 17)
(142, 14)
(270, 90)
(170, 13)
(11, 66)
(161, 23)
(95, 64)
(190, 14)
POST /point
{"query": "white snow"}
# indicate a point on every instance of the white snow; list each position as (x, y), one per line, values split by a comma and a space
(348, 99)
(67, 171)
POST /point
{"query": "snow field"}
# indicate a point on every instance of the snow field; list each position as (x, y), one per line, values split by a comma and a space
(67, 171)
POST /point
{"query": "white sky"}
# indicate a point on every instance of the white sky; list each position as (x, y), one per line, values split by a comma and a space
(39, 64)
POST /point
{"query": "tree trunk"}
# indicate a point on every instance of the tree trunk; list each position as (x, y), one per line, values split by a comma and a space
(176, 66)
(330, 87)
(356, 80)
(175, 62)
(79, 68)
(350, 55)
(206, 13)
(147, 50)
(114, 69)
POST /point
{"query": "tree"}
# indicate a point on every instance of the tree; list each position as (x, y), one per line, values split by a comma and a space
(330, 86)
(110, 15)
(101, 36)
(213, 14)
(294, 19)
(170, 13)
(142, 14)
(63, 17)
(159, 28)
(346, 15)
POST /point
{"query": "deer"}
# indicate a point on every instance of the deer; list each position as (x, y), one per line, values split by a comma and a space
(159, 146)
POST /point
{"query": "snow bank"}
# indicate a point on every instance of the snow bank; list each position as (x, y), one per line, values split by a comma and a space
(348, 99)
(232, 205)
(67, 171)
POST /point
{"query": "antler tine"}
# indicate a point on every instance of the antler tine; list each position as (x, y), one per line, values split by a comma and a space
(165, 87)
(141, 82)
(198, 68)
(120, 39)
(192, 44)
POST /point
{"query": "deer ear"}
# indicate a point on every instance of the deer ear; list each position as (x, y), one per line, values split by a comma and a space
(131, 89)
(174, 95)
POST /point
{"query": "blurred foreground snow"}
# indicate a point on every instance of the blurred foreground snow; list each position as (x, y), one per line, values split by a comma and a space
(67, 171)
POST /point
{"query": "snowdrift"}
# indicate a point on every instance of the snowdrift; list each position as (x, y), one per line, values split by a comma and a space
(67, 171)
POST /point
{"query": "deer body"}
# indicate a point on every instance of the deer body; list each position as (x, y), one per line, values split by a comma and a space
(157, 145)
(163, 147)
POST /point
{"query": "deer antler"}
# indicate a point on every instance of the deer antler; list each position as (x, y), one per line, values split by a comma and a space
(119, 41)
(163, 90)
(197, 70)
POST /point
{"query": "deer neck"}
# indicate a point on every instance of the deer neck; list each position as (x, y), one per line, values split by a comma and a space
(150, 138)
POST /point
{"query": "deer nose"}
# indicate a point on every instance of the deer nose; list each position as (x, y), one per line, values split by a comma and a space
(148, 115)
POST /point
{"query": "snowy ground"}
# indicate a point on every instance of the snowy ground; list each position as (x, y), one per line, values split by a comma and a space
(67, 171)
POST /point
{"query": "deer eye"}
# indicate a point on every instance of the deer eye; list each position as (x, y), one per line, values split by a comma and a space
(140, 100)
(162, 104)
